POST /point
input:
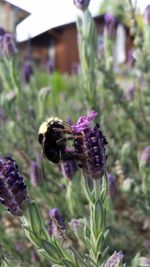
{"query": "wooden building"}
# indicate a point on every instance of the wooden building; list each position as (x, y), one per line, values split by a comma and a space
(10, 16)
(60, 46)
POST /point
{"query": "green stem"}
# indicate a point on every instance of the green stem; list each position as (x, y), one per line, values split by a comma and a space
(78, 256)
(97, 188)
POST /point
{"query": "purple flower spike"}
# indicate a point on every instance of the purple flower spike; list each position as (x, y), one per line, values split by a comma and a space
(27, 71)
(81, 4)
(145, 157)
(56, 225)
(34, 177)
(112, 185)
(90, 146)
(114, 260)
(9, 44)
(69, 167)
(13, 193)
(84, 122)
(110, 24)
(109, 18)
(147, 15)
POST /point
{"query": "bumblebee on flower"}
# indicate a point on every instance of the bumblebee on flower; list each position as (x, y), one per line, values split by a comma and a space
(88, 142)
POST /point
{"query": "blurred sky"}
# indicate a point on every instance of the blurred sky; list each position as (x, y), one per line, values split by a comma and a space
(47, 14)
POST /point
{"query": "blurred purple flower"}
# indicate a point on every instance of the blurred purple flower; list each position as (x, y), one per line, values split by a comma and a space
(75, 68)
(34, 256)
(34, 175)
(130, 93)
(56, 225)
(147, 15)
(130, 57)
(112, 185)
(81, 4)
(27, 71)
(50, 66)
(90, 145)
(2, 31)
(145, 157)
(69, 167)
(77, 226)
(9, 45)
(110, 24)
(147, 244)
(114, 260)
(144, 262)
(13, 193)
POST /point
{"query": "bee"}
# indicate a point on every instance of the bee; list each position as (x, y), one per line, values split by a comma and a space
(53, 136)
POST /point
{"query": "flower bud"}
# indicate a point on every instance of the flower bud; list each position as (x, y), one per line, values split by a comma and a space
(147, 15)
(145, 157)
(81, 4)
(115, 259)
(56, 225)
(77, 226)
(13, 193)
(144, 262)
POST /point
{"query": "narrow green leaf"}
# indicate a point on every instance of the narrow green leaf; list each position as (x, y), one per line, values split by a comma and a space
(68, 263)
(98, 217)
(50, 249)
(35, 218)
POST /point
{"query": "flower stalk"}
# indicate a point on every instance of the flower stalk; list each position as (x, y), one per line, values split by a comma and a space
(88, 56)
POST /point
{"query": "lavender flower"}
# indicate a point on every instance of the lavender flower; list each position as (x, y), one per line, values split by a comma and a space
(50, 66)
(145, 157)
(27, 71)
(110, 24)
(81, 4)
(2, 31)
(90, 144)
(75, 68)
(9, 45)
(34, 176)
(13, 193)
(77, 226)
(56, 225)
(69, 167)
(147, 15)
(114, 260)
(144, 262)
(147, 244)
(112, 185)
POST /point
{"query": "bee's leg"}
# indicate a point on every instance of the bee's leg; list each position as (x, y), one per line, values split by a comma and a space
(64, 139)
(63, 131)
(71, 155)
